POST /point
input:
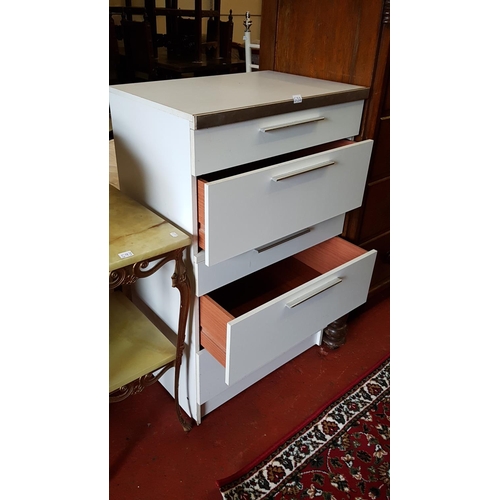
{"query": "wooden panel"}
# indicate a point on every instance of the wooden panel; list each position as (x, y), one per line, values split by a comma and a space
(329, 254)
(347, 41)
(381, 272)
(379, 85)
(386, 106)
(376, 211)
(268, 28)
(217, 350)
(213, 321)
(380, 162)
(256, 289)
(324, 39)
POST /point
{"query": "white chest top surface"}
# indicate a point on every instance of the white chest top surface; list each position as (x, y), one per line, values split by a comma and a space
(223, 99)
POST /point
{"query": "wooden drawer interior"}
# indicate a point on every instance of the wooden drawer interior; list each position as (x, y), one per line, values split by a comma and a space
(219, 307)
(249, 167)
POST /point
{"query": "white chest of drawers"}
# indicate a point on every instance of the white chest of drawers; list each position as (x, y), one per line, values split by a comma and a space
(255, 166)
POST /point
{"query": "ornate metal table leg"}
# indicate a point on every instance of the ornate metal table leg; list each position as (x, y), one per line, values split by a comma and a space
(334, 335)
(181, 282)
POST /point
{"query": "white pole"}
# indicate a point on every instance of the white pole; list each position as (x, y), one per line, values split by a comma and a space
(246, 37)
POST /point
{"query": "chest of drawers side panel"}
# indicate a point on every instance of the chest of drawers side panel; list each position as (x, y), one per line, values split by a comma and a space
(153, 150)
(153, 153)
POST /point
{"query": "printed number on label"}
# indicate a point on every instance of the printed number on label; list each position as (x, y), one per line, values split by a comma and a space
(126, 254)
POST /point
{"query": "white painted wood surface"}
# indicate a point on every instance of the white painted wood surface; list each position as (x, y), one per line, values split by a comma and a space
(159, 153)
(153, 158)
(213, 389)
(247, 211)
(222, 147)
(257, 337)
(153, 152)
(215, 276)
(191, 97)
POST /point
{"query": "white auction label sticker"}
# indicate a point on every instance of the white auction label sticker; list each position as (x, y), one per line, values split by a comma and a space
(297, 99)
(126, 254)
(174, 234)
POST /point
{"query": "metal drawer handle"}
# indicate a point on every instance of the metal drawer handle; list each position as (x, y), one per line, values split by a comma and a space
(313, 292)
(282, 240)
(292, 124)
(303, 170)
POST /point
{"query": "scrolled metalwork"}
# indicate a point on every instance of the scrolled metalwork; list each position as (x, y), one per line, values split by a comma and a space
(116, 278)
(128, 275)
(120, 394)
(137, 386)
(142, 270)
(122, 276)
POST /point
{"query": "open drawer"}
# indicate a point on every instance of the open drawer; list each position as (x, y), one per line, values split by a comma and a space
(248, 323)
(254, 208)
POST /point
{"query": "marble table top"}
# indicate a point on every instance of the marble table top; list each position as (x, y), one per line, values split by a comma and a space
(137, 234)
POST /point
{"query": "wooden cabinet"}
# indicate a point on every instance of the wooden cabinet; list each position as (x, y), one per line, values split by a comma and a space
(345, 41)
(258, 169)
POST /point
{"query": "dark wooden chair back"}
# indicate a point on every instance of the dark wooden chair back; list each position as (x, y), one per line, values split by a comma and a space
(114, 54)
(181, 36)
(225, 38)
(139, 50)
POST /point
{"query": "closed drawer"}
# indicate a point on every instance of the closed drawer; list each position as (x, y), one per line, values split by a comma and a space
(248, 323)
(218, 148)
(210, 278)
(254, 209)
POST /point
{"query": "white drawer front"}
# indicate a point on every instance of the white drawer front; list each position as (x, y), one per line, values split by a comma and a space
(251, 210)
(218, 148)
(209, 278)
(212, 373)
(264, 333)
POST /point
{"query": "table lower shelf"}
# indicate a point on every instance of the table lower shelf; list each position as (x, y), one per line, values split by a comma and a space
(136, 346)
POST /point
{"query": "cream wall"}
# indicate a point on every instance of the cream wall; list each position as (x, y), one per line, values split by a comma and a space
(239, 7)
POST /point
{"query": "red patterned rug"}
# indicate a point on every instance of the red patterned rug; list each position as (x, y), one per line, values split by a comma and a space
(341, 453)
